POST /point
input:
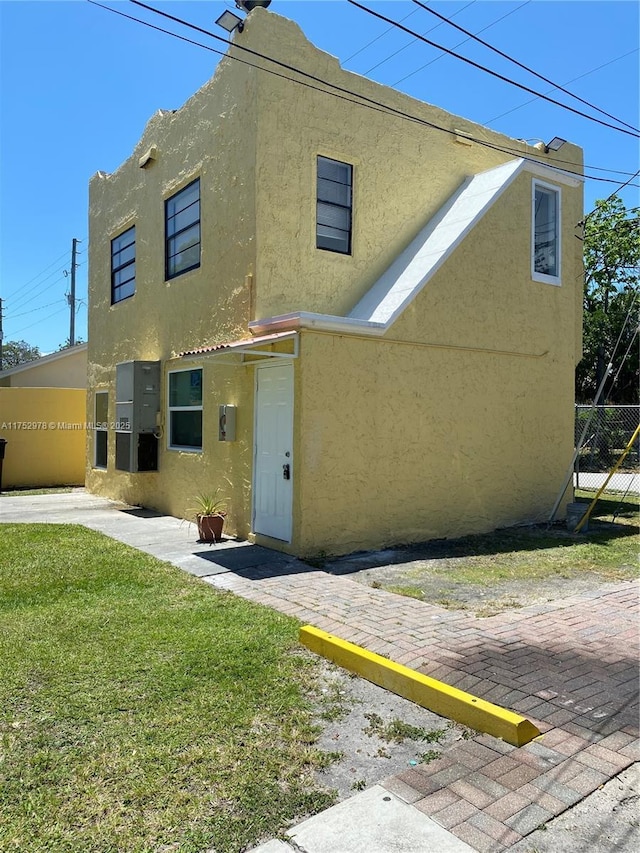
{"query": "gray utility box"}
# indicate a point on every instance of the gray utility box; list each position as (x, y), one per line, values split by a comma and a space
(137, 407)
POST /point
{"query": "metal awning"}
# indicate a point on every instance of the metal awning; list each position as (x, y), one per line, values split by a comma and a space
(257, 347)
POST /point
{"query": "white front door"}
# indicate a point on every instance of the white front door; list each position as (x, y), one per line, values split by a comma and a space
(273, 464)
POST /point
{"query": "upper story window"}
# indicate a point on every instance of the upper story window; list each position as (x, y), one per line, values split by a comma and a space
(545, 259)
(334, 206)
(185, 409)
(182, 230)
(123, 266)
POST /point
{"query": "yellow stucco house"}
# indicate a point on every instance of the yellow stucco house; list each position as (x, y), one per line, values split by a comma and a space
(42, 417)
(356, 315)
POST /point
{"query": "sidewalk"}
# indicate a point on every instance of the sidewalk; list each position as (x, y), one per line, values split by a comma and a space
(570, 666)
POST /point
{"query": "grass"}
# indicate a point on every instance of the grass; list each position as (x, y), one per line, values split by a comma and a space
(517, 555)
(524, 554)
(140, 709)
(397, 731)
(406, 590)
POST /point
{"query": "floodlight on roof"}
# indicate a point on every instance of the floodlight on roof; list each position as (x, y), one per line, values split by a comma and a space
(230, 22)
(555, 145)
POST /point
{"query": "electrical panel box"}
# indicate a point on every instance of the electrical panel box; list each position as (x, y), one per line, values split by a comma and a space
(137, 407)
(226, 423)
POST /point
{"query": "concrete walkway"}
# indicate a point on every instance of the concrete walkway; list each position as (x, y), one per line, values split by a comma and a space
(570, 666)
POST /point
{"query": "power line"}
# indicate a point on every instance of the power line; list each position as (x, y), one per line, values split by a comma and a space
(520, 64)
(622, 186)
(18, 299)
(611, 195)
(21, 301)
(464, 41)
(26, 284)
(573, 80)
(613, 171)
(489, 71)
(363, 100)
(33, 310)
(395, 53)
(37, 323)
(339, 88)
(377, 38)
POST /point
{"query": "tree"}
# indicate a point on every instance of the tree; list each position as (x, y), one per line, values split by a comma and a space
(67, 344)
(611, 303)
(17, 352)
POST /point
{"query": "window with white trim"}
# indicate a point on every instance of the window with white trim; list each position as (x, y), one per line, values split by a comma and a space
(100, 429)
(545, 238)
(123, 265)
(185, 409)
(182, 230)
(334, 206)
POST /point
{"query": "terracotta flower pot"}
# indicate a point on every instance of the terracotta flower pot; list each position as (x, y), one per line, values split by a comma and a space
(210, 527)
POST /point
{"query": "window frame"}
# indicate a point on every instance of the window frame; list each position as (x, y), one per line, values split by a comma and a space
(170, 237)
(101, 427)
(184, 448)
(116, 269)
(337, 205)
(554, 190)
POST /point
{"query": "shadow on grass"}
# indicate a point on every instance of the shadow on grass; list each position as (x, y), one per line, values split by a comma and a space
(620, 507)
(502, 541)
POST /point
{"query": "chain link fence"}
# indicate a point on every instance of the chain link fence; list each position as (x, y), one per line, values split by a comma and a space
(609, 430)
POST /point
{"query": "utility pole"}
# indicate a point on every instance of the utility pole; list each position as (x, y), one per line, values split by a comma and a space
(0, 333)
(72, 294)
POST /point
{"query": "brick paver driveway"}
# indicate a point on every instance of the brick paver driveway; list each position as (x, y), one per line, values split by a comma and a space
(570, 666)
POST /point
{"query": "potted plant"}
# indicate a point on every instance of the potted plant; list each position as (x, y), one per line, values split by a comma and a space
(209, 513)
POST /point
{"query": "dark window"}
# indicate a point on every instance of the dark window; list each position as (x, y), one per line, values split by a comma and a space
(182, 218)
(334, 203)
(185, 409)
(123, 266)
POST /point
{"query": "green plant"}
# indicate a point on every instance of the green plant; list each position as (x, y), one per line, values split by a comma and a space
(429, 755)
(398, 731)
(208, 504)
(333, 703)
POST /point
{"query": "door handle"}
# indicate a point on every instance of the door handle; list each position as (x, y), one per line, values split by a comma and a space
(286, 471)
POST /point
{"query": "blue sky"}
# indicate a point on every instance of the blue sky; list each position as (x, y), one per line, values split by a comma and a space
(79, 83)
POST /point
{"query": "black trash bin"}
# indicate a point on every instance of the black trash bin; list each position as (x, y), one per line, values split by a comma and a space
(3, 444)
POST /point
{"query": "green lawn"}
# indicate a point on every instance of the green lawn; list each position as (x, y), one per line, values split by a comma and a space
(512, 562)
(140, 709)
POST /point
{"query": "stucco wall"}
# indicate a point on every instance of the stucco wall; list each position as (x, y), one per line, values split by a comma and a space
(414, 442)
(484, 295)
(211, 137)
(46, 433)
(460, 419)
(404, 171)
